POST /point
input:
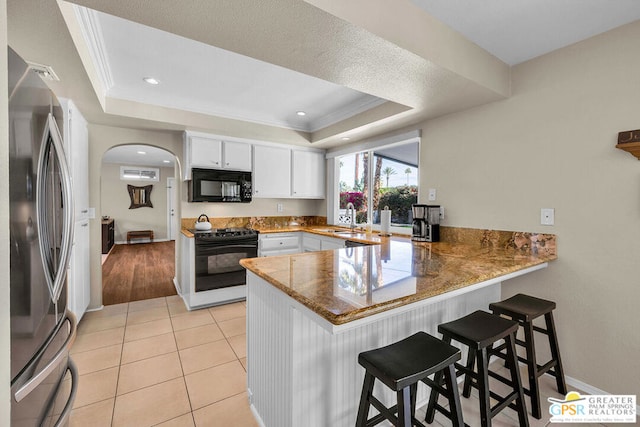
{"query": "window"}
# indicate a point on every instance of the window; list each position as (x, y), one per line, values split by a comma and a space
(373, 179)
(139, 173)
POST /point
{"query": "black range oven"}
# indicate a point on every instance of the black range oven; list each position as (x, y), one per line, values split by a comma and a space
(218, 254)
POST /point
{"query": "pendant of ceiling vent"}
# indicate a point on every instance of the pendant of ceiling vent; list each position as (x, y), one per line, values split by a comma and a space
(44, 71)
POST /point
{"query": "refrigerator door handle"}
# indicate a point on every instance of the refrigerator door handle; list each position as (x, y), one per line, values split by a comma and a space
(36, 379)
(64, 416)
(55, 283)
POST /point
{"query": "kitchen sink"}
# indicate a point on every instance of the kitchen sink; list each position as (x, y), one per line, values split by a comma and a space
(331, 230)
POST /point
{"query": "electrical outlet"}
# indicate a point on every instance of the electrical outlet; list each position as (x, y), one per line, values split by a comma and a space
(441, 213)
(547, 216)
(280, 207)
(432, 195)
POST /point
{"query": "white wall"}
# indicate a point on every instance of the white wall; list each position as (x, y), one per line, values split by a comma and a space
(5, 339)
(115, 202)
(552, 145)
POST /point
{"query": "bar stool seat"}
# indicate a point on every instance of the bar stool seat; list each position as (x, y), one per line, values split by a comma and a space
(401, 366)
(479, 331)
(525, 309)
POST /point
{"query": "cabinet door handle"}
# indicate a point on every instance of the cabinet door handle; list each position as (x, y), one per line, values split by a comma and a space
(84, 225)
(84, 211)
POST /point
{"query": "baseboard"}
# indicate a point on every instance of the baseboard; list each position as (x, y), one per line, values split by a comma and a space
(124, 242)
(588, 388)
(95, 309)
(577, 384)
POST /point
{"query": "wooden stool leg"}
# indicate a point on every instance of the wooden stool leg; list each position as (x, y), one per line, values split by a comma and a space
(455, 408)
(483, 388)
(363, 409)
(471, 360)
(515, 379)
(414, 395)
(555, 353)
(433, 399)
(532, 369)
(404, 407)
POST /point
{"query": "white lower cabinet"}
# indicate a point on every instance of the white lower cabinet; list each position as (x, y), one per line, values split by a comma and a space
(278, 244)
(314, 242)
(295, 242)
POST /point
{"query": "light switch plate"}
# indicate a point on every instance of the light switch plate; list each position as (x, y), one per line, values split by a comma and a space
(547, 216)
(432, 195)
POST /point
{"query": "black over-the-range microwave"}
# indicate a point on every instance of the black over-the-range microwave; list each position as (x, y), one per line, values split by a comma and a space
(214, 185)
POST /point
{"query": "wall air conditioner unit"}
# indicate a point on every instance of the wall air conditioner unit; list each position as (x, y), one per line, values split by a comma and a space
(129, 173)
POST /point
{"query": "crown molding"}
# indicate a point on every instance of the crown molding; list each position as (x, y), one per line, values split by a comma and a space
(358, 106)
(92, 34)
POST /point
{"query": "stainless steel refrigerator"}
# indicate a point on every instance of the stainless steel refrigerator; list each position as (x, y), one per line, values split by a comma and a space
(44, 379)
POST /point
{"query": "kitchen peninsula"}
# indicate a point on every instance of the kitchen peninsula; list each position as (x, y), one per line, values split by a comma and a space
(310, 314)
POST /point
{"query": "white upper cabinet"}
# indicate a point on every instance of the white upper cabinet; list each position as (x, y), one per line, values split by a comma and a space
(279, 171)
(205, 152)
(308, 169)
(236, 155)
(213, 152)
(271, 172)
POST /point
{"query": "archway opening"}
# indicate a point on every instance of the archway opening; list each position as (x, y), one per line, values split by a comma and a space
(139, 199)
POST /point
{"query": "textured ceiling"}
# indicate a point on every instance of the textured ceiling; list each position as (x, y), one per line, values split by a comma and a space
(390, 50)
(516, 31)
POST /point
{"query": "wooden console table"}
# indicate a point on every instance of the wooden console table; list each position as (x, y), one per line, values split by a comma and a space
(139, 234)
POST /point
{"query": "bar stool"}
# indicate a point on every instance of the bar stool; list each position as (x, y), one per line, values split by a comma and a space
(401, 366)
(479, 331)
(525, 309)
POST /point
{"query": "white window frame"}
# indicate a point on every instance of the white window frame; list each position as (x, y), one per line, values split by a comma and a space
(139, 176)
(333, 174)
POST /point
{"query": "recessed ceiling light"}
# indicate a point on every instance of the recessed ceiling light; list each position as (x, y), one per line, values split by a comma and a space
(345, 138)
(151, 80)
(142, 152)
(301, 113)
(166, 161)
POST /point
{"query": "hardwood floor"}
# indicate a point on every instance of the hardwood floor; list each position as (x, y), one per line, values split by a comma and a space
(137, 272)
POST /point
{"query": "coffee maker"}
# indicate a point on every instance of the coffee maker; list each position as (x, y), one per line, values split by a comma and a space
(426, 223)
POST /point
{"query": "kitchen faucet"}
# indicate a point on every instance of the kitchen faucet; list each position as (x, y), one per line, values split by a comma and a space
(353, 215)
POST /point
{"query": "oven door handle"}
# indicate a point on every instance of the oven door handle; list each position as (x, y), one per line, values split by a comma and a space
(228, 247)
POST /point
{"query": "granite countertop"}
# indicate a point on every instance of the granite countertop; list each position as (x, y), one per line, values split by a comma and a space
(324, 230)
(344, 285)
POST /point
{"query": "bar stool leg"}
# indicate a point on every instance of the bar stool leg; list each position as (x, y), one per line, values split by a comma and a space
(454, 399)
(471, 360)
(555, 353)
(532, 369)
(414, 393)
(363, 409)
(483, 387)
(515, 379)
(404, 407)
(433, 398)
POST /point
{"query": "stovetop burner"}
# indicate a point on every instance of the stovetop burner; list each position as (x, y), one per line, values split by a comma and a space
(224, 233)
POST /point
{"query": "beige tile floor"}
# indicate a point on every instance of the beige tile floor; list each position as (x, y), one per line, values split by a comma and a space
(153, 362)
